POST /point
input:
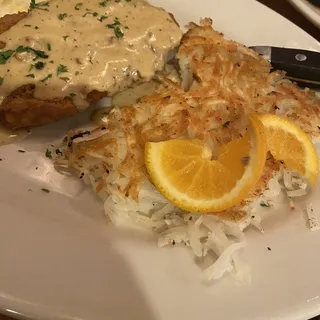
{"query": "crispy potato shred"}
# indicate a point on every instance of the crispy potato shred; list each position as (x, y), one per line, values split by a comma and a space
(222, 81)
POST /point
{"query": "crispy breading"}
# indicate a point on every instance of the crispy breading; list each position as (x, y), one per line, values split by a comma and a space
(21, 104)
(21, 109)
(9, 20)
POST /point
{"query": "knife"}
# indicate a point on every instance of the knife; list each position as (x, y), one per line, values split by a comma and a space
(302, 66)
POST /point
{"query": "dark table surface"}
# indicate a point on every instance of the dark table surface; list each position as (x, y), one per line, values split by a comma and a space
(285, 9)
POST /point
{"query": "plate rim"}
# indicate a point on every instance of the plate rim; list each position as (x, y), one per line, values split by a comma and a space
(23, 313)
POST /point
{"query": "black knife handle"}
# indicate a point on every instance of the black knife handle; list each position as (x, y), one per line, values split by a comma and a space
(299, 64)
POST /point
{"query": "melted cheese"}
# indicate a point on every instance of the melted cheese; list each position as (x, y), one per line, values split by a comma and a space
(86, 46)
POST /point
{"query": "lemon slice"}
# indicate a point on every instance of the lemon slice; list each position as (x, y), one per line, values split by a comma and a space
(289, 143)
(185, 173)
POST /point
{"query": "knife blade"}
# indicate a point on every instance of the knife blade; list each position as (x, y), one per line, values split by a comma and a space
(302, 66)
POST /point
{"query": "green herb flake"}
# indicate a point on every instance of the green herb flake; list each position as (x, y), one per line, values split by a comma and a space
(27, 25)
(71, 94)
(49, 46)
(5, 55)
(115, 26)
(36, 27)
(66, 79)
(45, 190)
(102, 18)
(65, 38)
(21, 151)
(39, 65)
(95, 14)
(38, 53)
(48, 154)
(61, 16)
(39, 6)
(77, 73)
(104, 3)
(47, 77)
(61, 69)
(1, 80)
(30, 75)
(78, 6)
(118, 33)
(264, 204)
(225, 125)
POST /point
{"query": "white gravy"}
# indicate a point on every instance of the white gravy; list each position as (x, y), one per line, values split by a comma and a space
(70, 48)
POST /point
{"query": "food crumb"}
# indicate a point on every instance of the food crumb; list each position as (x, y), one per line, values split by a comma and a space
(45, 190)
(269, 249)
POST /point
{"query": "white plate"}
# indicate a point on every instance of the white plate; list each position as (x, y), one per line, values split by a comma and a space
(310, 11)
(60, 261)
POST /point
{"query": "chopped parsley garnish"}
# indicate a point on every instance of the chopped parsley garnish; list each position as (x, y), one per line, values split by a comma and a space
(36, 27)
(78, 6)
(31, 75)
(95, 14)
(66, 79)
(264, 204)
(27, 25)
(103, 3)
(5, 55)
(39, 6)
(115, 26)
(38, 53)
(225, 125)
(48, 154)
(118, 32)
(21, 151)
(39, 65)
(61, 16)
(1, 81)
(47, 77)
(65, 38)
(49, 46)
(71, 94)
(61, 69)
(77, 73)
(102, 18)
(45, 190)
